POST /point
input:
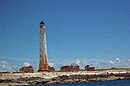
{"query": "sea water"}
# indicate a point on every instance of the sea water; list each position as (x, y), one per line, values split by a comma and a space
(102, 83)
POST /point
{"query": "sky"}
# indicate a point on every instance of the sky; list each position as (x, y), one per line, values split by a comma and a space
(94, 32)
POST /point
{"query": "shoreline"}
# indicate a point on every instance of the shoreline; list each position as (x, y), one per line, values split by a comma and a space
(72, 78)
(88, 78)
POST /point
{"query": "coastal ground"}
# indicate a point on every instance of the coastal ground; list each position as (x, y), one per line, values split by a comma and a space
(7, 79)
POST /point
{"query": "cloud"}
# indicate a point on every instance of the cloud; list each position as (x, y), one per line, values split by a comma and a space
(78, 62)
(118, 60)
(57, 64)
(26, 64)
(12, 65)
(112, 62)
(51, 64)
(6, 66)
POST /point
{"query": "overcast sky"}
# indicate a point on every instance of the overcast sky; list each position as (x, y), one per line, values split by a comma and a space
(95, 32)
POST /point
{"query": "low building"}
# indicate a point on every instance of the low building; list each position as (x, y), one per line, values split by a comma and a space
(70, 68)
(26, 69)
(89, 68)
(51, 69)
(65, 68)
(74, 67)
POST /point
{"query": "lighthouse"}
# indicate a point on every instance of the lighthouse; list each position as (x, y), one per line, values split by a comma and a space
(43, 65)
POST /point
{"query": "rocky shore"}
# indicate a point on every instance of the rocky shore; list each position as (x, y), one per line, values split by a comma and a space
(24, 81)
(89, 78)
(64, 79)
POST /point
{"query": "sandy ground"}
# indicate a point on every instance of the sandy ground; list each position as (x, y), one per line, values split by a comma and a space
(48, 75)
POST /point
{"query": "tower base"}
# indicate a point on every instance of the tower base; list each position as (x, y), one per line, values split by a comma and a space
(42, 71)
(43, 67)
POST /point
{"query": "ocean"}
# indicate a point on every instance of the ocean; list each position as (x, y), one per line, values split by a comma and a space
(103, 83)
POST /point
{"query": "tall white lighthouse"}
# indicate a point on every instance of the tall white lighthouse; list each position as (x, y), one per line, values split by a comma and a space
(43, 66)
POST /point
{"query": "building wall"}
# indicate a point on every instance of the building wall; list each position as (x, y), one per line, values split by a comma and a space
(51, 69)
(89, 68)
(65, 68)
(71, 68)
(28, 69)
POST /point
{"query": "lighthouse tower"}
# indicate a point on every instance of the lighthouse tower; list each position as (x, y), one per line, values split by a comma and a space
(43, 66)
